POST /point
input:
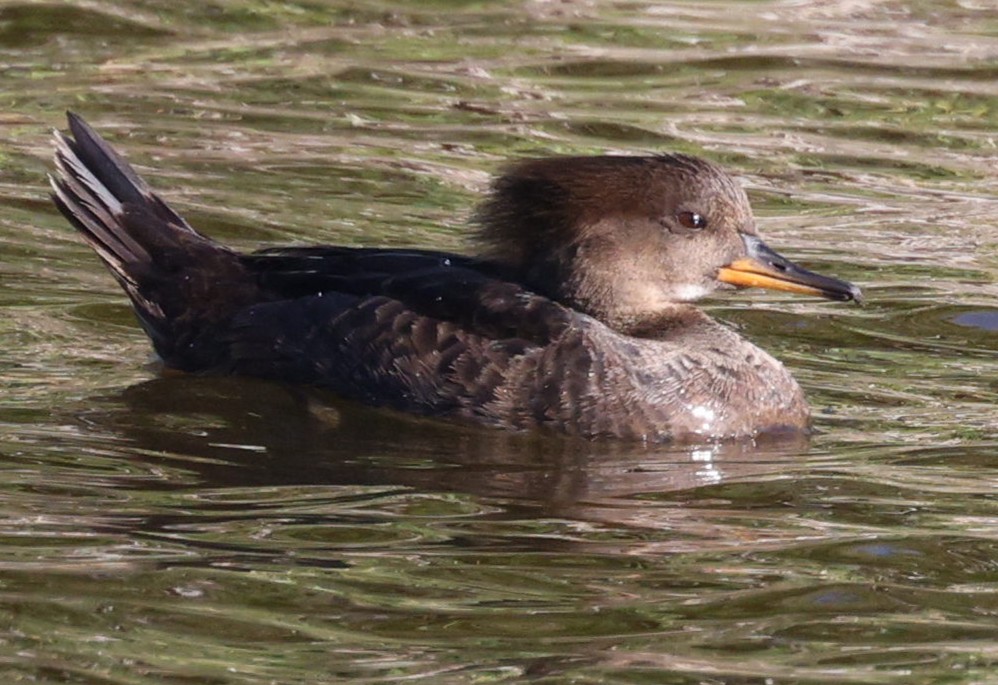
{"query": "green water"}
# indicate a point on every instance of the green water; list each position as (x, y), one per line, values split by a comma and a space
(216, 531)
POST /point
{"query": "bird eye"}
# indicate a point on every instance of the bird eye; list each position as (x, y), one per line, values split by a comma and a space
(692, 220)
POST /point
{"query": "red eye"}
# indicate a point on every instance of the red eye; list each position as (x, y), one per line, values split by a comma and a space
(692, 220)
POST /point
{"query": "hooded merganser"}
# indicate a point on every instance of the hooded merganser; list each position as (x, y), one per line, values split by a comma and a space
(576, 316)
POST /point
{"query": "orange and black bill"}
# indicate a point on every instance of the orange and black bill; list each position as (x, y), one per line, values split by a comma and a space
(762, 267)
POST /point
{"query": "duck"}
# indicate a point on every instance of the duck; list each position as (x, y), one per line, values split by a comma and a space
(576, 315)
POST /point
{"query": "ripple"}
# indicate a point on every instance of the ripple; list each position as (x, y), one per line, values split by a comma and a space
(220, 530)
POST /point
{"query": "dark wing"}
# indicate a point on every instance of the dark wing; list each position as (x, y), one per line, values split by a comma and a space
(437, 340)
(473, 293)
(297, 271)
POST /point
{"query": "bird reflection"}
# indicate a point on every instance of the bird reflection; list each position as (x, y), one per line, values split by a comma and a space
(237, 432)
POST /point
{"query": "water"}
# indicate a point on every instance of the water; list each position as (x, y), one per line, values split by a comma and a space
(172, 530)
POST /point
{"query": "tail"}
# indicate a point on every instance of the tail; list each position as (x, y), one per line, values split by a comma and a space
(183, 286)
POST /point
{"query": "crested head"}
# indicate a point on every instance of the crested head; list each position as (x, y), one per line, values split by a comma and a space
(620, 238)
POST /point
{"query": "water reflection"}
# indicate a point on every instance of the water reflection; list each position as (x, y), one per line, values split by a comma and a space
(238, 432)
(208, 531)
(986, 320)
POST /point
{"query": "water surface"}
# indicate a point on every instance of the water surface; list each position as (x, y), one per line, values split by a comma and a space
(171, 530)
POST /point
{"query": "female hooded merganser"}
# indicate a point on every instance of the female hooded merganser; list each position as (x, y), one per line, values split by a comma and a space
(577, 316)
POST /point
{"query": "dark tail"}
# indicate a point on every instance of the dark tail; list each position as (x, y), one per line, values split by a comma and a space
(183, 286)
